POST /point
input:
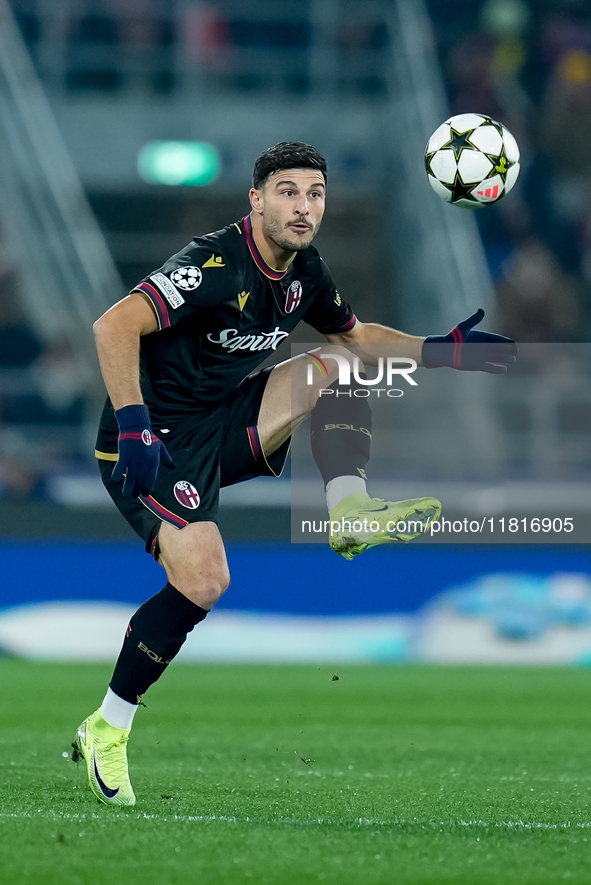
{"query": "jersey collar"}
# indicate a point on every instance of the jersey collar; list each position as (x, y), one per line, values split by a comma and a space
(258, 259)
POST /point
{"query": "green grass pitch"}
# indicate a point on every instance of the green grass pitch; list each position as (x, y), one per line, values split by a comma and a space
(284, 776)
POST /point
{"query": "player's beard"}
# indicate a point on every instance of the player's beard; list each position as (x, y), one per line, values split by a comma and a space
(274, 230)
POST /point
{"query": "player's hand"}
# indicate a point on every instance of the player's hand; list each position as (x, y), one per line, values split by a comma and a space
(492, 354)
(140, 452)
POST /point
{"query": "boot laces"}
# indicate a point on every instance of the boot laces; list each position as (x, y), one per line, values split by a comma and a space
(118, 763)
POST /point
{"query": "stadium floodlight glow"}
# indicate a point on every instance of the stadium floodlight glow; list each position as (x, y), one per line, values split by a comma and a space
(193, 163)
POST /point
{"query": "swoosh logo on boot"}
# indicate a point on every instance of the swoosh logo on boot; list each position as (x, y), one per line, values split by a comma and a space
(376, 510)
(105, 790)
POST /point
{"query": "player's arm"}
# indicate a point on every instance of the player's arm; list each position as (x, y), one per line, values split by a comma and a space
(374, 333)
(486, 351)
(117, 334)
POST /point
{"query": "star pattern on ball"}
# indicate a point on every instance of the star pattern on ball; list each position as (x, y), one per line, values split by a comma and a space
(460, 191)
(459, 141)
(475, 160)
(500, 165)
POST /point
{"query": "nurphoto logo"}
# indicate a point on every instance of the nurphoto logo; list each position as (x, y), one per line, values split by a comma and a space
(388, 369)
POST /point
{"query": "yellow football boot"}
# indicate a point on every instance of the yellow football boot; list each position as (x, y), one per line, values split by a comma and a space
(359, 522)
(104, 748)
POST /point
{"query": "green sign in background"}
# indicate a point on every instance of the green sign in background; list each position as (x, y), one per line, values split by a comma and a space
(193, 163)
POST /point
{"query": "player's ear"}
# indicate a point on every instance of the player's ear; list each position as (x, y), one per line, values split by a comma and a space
(255, 196)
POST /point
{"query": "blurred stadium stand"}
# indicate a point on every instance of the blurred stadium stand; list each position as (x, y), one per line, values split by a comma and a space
(87, 85)
(363, 82)
(120, 74)
(529, 65)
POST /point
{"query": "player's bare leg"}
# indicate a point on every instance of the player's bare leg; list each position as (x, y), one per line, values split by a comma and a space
(341, 436)
(289, 399)
(195, 562)
(194, 559)
(197, 570)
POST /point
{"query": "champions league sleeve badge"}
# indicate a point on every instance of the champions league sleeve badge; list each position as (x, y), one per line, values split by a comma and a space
(187, 278)
(293, 297)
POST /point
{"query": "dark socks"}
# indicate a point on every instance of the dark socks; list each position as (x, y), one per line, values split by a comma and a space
(154, 636)
(340, 432)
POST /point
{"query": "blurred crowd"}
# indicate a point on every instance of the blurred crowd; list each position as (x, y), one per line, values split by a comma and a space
(527, 63)
(42, 400)
(110, 45)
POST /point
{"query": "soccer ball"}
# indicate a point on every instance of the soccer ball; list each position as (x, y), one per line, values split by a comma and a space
(472, 160)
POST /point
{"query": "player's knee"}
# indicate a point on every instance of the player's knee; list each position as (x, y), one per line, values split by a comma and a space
(340, 361)
(218, 585)
(343, 367)
(206, 588)
(202, 583)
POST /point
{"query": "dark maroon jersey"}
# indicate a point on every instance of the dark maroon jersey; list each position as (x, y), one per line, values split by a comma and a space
(222, 310)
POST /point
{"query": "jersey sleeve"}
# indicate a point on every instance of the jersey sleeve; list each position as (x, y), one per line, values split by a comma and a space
(193, 280)
(330, 313)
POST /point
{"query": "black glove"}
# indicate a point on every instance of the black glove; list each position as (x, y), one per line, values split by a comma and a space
(494, 353)
(140, 452)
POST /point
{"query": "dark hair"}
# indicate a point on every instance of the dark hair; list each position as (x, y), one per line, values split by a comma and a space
(287, 155)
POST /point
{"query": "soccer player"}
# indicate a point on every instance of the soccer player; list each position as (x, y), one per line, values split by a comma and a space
(187, 413)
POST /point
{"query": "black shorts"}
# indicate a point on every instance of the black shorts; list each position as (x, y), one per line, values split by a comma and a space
(212, 448)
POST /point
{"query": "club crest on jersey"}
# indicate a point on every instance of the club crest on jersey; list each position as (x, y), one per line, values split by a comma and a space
(187, 495)
(187, 278)
(293, 297)
(168, 289)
